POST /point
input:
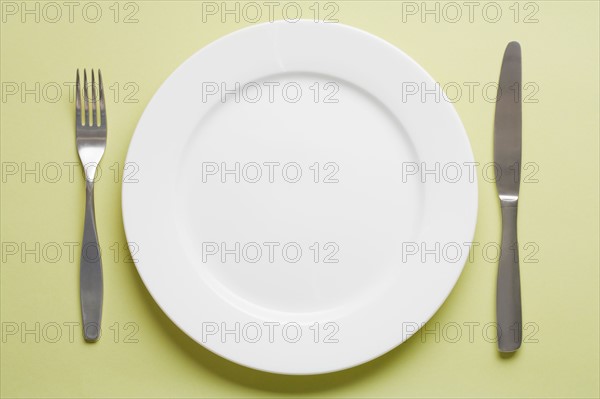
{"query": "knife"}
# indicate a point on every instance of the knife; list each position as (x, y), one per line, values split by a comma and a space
(507, 159)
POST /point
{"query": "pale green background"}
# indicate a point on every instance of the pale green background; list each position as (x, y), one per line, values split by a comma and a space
(558, 213)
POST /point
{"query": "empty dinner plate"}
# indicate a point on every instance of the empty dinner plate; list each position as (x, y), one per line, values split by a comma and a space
(298, 206)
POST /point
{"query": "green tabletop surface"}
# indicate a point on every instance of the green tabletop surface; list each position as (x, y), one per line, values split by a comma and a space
(142, 354)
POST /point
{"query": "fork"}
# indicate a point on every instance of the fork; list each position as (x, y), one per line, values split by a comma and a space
(91, 143)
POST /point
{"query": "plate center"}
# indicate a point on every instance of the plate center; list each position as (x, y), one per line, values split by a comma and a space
(291, 193)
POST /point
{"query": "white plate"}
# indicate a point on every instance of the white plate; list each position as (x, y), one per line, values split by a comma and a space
(286, 305)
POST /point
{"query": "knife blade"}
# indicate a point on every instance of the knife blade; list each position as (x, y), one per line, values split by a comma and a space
(507, 160)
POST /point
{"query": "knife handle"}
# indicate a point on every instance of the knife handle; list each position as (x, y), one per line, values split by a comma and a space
(90, 277)
(508, 294)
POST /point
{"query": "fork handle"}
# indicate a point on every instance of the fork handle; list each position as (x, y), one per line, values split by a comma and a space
(508, 294)
(90, 271)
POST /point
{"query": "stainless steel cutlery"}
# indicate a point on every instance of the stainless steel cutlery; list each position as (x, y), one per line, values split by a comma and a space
(507, 159)
(91, 133)
(91, 143)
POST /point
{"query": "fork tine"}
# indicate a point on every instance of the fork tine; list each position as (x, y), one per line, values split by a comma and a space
(102, 105)
(77, 101)
(94, 121)
(86, 98)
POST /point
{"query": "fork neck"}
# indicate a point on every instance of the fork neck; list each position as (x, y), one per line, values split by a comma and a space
(90, 173)
(89, 190)
(89, 197)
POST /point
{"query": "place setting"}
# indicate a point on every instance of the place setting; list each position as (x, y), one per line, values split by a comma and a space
(302, 205)
(252, 199)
